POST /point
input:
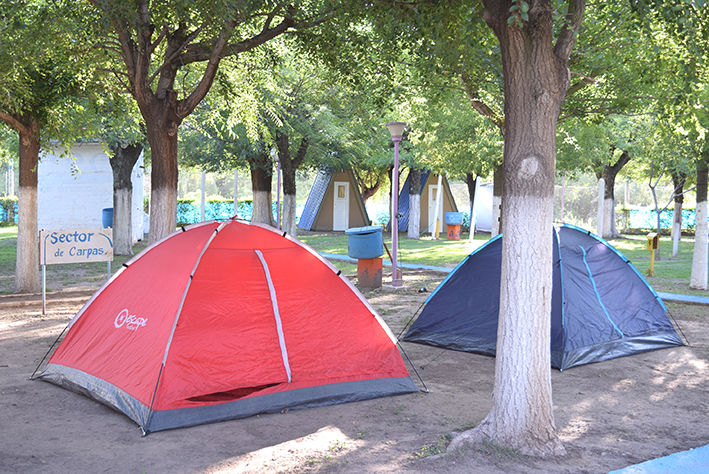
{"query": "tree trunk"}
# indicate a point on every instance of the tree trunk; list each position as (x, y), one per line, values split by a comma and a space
(700, 258)
(609, 174)
(470, 181)
(27, 267)
(122, 163)
(536, 77)
(414, 203)
(364, 178)
(678, 180)
(497, 191)
(162, 136)
(289, 165)
(261, 175)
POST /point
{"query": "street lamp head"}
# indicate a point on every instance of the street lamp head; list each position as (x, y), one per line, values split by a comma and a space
(396, 129)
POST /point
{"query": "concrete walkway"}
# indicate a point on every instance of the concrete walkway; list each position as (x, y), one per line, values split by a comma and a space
(691, 299)
(694, 461)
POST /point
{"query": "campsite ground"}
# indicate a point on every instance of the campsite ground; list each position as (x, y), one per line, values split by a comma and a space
(609, 415)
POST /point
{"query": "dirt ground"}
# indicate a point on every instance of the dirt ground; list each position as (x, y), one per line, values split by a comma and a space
(609, 415)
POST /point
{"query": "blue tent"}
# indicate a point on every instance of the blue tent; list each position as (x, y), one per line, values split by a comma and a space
(602, 307)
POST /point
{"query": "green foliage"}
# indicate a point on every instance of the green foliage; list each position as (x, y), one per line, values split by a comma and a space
(8, 204)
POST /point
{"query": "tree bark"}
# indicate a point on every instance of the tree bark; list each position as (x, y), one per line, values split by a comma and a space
(700, 257)
(678, 180)
(27, 267)
(536, 77)
(122, 163)
(414, 203)
(289, 165)
(497, 199)
(609, 173)
(471, 180)
(261, 175)
(162, 136)
(369, 182)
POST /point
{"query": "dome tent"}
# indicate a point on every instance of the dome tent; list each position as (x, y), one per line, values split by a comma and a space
(602, 307)
(222, 321)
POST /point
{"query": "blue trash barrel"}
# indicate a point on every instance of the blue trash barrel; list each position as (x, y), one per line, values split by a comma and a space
(454, 218)
(365, 242)
(107, 217)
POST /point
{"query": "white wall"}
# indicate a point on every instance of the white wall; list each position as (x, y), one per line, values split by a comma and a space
(73, 193)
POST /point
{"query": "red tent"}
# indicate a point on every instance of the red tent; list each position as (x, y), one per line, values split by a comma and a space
(222, 321)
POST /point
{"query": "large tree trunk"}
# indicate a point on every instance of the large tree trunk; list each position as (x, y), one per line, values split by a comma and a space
(536, 76)
(470, 180)
(162, 136)
(261, 175)
(289, 165)
(497, 192)
(27, 267)
(414, 203)
(122, 163)
(609, 174)
(700, 258)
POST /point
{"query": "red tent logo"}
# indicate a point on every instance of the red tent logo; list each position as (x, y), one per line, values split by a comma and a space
(130, 321)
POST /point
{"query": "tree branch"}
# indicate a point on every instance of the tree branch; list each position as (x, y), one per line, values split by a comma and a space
(14, 123)
(567, 37)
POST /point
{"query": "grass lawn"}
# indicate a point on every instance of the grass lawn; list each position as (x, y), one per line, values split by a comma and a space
(671, 274)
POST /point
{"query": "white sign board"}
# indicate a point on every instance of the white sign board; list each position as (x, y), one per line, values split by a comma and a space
(75, 246)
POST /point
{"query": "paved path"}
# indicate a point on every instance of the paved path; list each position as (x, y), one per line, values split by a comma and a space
(694, 461)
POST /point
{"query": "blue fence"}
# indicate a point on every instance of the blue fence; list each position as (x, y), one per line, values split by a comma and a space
(3, 213)
(647, 219)
(188, 212)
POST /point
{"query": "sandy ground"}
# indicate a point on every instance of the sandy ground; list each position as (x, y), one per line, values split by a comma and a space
(609, 415)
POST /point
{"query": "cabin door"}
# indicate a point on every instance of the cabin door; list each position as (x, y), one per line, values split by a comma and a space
(432, 203)
(341, 208)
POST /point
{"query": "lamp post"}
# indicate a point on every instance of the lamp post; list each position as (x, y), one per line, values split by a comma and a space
(397, 130)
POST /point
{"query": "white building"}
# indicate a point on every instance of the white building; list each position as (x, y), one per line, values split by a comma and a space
(72, 192)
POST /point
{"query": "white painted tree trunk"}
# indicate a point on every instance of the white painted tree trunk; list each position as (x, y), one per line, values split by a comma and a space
(496, 213)
(11, 179)
(523, 341)
(27, 269)
(203, 196)
(473, 211)
(600, 214)
(414, 216)
(700, 259)
(437, 225)
(289, 211)
(163, 213)
(122, 221)
(236, 193)
(262, 211)
(609, 229)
